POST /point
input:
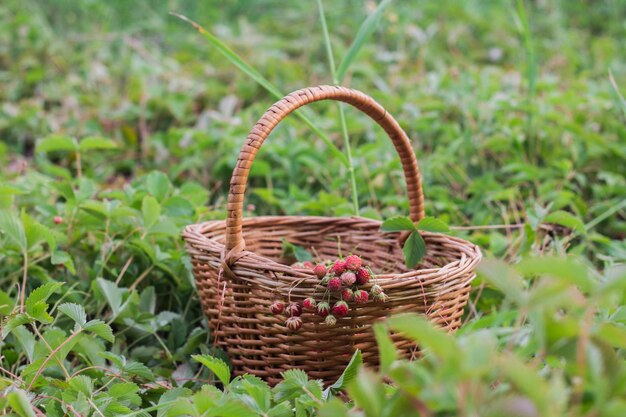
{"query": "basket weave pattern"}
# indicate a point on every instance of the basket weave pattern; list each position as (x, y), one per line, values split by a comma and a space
(239, 267)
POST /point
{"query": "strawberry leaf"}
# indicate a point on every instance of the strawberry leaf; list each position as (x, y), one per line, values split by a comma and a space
(432, 224)
(414, 250)
(397, 224)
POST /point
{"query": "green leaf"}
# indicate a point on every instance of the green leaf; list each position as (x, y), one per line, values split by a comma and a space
(263, 82)
(96, 142)
(158, 184)
(364, 33)
(397, 224)
(349, 373)
(368, 393)
(12, 228)
(432, 224)
(63, 258)
(566, 219)
(101, 329)
(112, 293)
(386, 349)
(414, 250)
(505, 279)
(613, 334)
(567, 270)
(56, 143)
(7, 304)
(215, 365)
(425, 333)
(75, 312)
(26, 341)
(15, 322)
(295, 251)
(82, 384)
(20, 404)
(151, 210)
(41, 294)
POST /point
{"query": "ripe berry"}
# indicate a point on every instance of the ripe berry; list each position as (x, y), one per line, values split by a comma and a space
(330, 320)
(320, 271)
(347, 295)
(339, 267)
(277, 307)
(340, 309)
(348, 278)
(293, 310)
(309, 304)
(323, 309)
(334, 284)
(353, 262)
(382, 297)
(362, 276)
(361, 297)
(376, 289)
(58, 219)
(307, 265)
(294, 323)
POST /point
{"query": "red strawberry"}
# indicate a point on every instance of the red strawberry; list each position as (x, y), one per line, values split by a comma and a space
(277, 307)
(330, 320)
(320, 271)
(340, 309)
(293, 310)
(376, 289)
(362, 276)
(353, 262)
(339, 267)
(58, 219)
(323, 309)
(294, 323)
(348, 278)
(361, 297)
(309, 303)
(334, 284)
(347, 295)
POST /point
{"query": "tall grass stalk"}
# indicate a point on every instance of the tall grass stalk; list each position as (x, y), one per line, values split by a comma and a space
(342, 117)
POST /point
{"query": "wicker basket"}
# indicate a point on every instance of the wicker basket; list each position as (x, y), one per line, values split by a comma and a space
(240, 271)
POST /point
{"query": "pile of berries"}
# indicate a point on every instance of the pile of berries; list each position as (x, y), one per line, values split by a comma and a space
(342, 279)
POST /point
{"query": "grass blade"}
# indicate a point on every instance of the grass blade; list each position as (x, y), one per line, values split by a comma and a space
(262, 81)
(616, 88)
(342, 117)
(365, 31)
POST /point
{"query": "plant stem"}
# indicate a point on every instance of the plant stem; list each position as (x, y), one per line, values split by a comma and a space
(342, 117)
(531, 74)
(24, 276)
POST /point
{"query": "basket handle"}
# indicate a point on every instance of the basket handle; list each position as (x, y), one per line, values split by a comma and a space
(271, 118)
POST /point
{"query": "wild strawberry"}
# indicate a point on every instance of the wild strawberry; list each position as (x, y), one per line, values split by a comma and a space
(348, 278)
(330, 320)
(353, 262)
(277, 307)
(361, 297)
(307, 265)
(362, 276)
(294, 323)
(376, 289)
(293, 310)
(58, 219)
(320, 271)
(323, 309)
(347, 295)
(334, 284)
(339, 267)
(340, 309)
(309, 303)
(381, 298)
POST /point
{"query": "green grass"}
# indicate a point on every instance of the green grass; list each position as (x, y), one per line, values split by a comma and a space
(125, 123)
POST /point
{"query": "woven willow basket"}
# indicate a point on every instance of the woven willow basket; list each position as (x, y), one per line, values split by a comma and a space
(239, 267)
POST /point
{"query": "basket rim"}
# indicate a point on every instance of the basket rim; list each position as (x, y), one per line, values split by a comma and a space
(194, 236)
